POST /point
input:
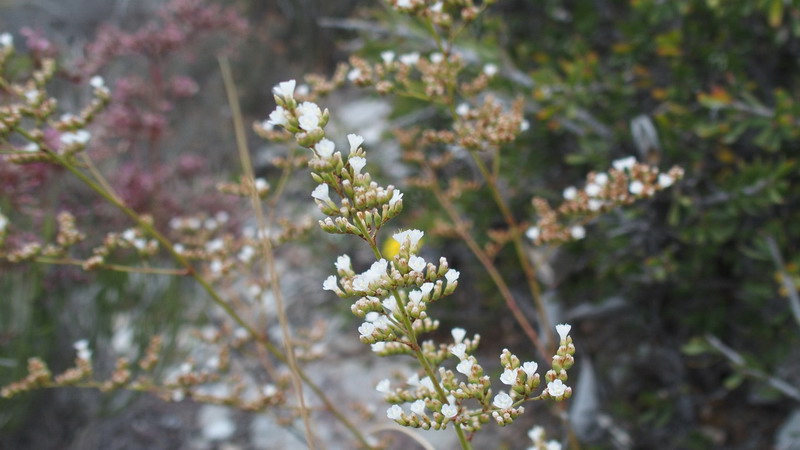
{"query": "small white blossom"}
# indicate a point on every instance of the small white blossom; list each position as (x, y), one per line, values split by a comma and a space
(593, 190)
(509, 377)
(354, 74)
(390, 303)
(321, 193)
(413, 380)
(665, 181)
(418, 407)
(416, 263)
(536, 434)
(524, 125)
(530, 368)
(269, 390)
(285, 89)
(415, 297)
(460, 350)
(97, 82)
(552, 445)
(261, 185)
(409, 59)
(357, 163)
(6, 40)
(246, 254)
(556, 388)
(490, 70)
(396, 197)
(384, 386)
(465, 366)
(563, 330)
(395, 412)
(355, 141)
(452, 275)
(532, 233)
(382, 323)
(309, 115)
(343, 263)
(33, 96)
(387, 56)
(75, 137)
(577, 232)
(378, 347)
(624, 163)
(308, 122)
(366, 329)
(636, 187)
(404, 4)
(3, 223)
(426, 383)
(278, 117)
(462, 109)
(502, 401)
(330, 284)
(372, 316)
(458, 334)
(595, 204)
(570, 193)
(82, 348)
(437, 57)
(411, 236)
(325, 148)
(215, 245)
(216, 266)
(31, 147)
(426, 288)
(601, 179)
(437, 7)
(449, 410)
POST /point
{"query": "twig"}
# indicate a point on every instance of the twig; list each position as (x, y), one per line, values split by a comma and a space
(786, 279)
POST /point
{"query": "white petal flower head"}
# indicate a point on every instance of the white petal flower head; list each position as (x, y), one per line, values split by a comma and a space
(502, 401)
(382, 323)
(343, 263)
(437, 7)
(592, 189)
(490, 70)
(321, 193)
(404, 4)
(462, 109)
(418, 407)
(556, 388)
(409, 59)
(325, 148)
(595, 204)
(532, 233)
(390, 304)
(624, 163)
(426, 383)
(357, 163)
(636, 187)
(458, 334)
(570, 193)
(395, 412)
(246, 254)
(396, 197)
(384, 387)
(460, 350)
(465, 366)
(355, 141)
(665, 181)
(278, 117)
(452, 275)
(530, 368)
(509, 377)
(6, 40)
(552, 445)
(308, 122)
(97, 82)
(330, 284)
(378, 347)
(387, 56)
(366, 329)
(426, 288)
(412, 236)
(416, 263)
(360, 283)
(372, 316)
(601, 179)
(285, 89)
(415, 297)
(536, 434)
(577, 232)
(449, 410)
(437, 57)
(563, 330)
(413, 380)
(353, 75)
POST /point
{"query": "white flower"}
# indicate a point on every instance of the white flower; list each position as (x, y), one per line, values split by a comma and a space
(636, 187)
(416, 263)
(384, 386)
(3, 223)
(354, 74)
(437, 7)
(592, 190)
(285, 89)
(413, 380)
(382, 323)
(330, 284)
(366, 329)
(321, 193)
(409, 59)
(6, 40)
(261, 185)
(378, 347)
(387, 56)
(308, 122)
(465, 366)
(458, 334)
(418, 407)
(437, 57)
(530, 368)
(502, 401)
(563, 330)
(426, 288)
(665, 181)
(404, 4)
(570, 193)
(509, 377)
(536, 434)
(595, 204)
(372, 316)
(246, 254)
(524, 125)
(415, 297)
(82, 347)
(33, 96)
(624, 163)
(412, 236)
(395, 412)
(426, 383)
(452, 275)
(449, 410)
(309, 115)
(214, 246)
(75, 137)
(396, 197)
(357, 163)
(97, 82)
(343, 263)
(532, 233)
(490, 70)
(390, 303)
(325, 148)
(552, 445)
(462, 109)
(577, 232)
(355, 141)
(460, 350)
(216, 266)
(556, 388)
(31, 147)
(278, 117)
(601, 179)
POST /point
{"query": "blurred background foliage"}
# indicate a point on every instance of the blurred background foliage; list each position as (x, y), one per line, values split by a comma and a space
(653, 291)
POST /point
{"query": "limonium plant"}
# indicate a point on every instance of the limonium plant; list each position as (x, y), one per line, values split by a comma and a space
(393, 296)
